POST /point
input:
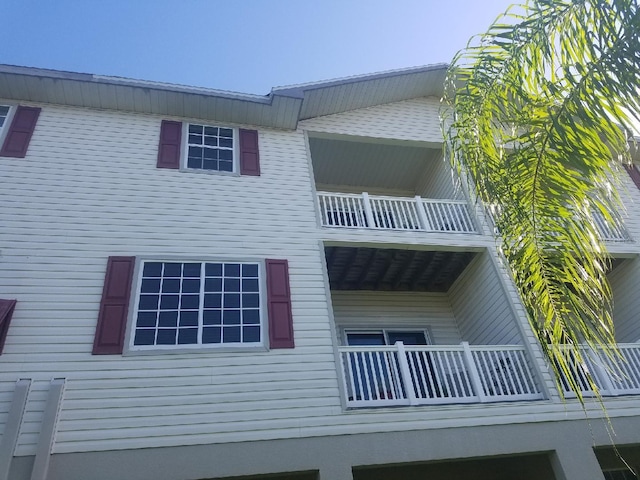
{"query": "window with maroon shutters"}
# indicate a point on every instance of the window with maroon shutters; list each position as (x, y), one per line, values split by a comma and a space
(196, 304)
(211, 148)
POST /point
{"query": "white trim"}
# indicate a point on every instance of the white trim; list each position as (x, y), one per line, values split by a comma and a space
(4, 129)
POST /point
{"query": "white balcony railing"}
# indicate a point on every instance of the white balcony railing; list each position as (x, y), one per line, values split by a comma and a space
(612, 376)
(609, 231)
(394, 213)
(426, 375)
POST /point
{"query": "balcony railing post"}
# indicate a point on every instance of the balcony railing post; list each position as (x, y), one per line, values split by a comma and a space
(422, 216)
(602, 373)
(368, 211)
(407, 380)
(474, 374)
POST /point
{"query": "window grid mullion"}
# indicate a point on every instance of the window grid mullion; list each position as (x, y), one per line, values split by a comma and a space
(201, 303)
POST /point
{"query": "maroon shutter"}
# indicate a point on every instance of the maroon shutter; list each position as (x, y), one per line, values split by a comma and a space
(6, 311)
(249, 155)
(279, 303)
(169, 147)
(20, 131)
(634, 173)
(114, 306)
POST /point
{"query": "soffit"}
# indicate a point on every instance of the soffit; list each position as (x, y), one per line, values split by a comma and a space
(282, 108)
(338, 162)
(336, 96)
(364, 268)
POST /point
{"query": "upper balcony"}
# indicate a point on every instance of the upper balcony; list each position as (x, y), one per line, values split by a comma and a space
(375, 184)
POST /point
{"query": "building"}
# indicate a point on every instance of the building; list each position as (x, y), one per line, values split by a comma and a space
(199, 284)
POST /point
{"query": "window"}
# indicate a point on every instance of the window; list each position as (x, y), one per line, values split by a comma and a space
(210, 148)
(4, 113)
(165, 297)
(386, 337)
(182, 304)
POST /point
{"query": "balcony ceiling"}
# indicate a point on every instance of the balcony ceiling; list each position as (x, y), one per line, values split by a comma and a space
(370, 165)
(364, 268)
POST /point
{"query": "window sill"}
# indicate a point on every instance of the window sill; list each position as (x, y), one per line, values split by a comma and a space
(196, 350)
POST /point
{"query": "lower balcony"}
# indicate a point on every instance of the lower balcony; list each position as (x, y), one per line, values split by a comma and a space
(426, 327)
(428, 374)
(613, 376)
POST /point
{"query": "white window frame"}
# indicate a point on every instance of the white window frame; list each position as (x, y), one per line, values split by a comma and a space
(4, 129)
(131, 348)
(385, 332)
(184, 156)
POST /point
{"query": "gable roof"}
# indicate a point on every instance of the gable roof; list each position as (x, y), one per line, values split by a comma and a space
(283, 107)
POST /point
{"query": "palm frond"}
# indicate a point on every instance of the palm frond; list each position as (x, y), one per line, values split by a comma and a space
(535, 116)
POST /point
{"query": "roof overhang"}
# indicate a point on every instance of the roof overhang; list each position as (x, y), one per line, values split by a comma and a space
(282, 108)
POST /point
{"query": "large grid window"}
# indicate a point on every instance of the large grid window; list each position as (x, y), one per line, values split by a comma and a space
(210, 148)
(4, 113)
(201, 303)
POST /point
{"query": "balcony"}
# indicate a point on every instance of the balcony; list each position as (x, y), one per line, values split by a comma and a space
(612, 376)
(427, 375)
(426, 327)
(394, 213)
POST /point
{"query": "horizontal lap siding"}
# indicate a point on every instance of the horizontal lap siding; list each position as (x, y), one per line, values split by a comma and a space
(481, 306)
(438, 181)
(415, 119)
(89, 188)
(397, 310)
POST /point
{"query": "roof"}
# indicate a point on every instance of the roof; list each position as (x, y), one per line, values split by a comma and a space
(283, 107)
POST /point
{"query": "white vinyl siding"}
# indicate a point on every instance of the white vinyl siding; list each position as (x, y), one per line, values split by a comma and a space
(439, 181)
(417, 119)
(393, 310)
(89, 188)
(481, 307)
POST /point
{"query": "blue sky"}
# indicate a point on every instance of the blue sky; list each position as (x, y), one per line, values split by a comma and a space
(239, 45)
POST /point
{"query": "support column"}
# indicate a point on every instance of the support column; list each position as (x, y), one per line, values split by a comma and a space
(12, 427)
(576, 462)
(336, 471)
(48, 429)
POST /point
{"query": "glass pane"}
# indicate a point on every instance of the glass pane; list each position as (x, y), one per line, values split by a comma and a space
(251, 334)
(166, 336)
(144, 337)
(373, 338)
(187, 336)
(408, 338)
(211, 335)
(152, 269)
(168, 319)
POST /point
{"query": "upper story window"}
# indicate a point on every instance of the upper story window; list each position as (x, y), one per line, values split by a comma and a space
(210, 148)
(197, 303)
(4, 113)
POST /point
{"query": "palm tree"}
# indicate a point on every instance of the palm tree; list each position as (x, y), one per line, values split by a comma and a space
(536, 116)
